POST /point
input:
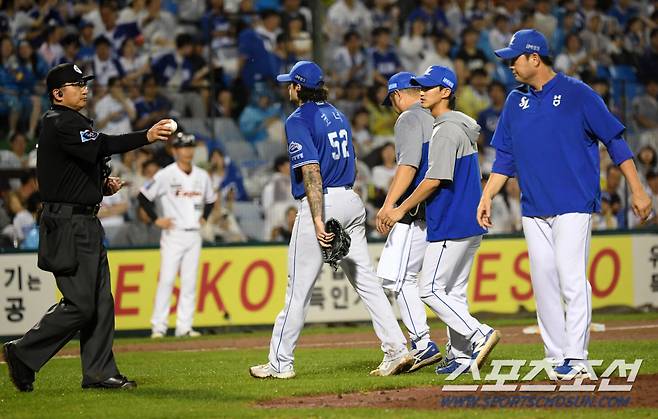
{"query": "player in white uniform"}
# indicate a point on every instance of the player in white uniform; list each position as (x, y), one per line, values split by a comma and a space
(322, 174)
(548, 137)
(186, 197)
(402, 258)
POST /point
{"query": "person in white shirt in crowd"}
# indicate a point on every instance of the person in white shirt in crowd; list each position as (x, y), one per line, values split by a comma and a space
(158, 27)
(645, 114)
(16, 157)
(22, 219)
(269, 28)
(115, 110)
(133, 63)
(573, 60)
(545, 22)
(383, 174)
(414, 44)
(500, 34)
(103, 65)
(276, 198)
(439, 55)
(134, 13)
(344, 16)
(51, 50)
(350, 61)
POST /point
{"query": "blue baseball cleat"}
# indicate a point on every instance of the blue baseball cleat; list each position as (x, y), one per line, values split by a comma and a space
(570, 369)
(448, 367)
(422, 358)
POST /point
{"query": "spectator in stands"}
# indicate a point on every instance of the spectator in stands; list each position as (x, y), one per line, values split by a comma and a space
(350, 61)
(9, 99)
(649, 61)
(114, 209)
(470, 57)
(29, 76)
(605, 219)
(473, 98)
(302, 43)
(646, 160)
(501, 216)
(105, 24)
(28, 187)
(225, 105)
(152, 106)
(134, 13)
(115, 110)
(86, 38)
(351, 99)
(222, 225)
(438, 55)
(595, 42)
(645, 113)
(383, 173)
(214, 23)
(500, 34)
(573, 61)
(635, 40)
(568, 27)
(618, 53)
(269, 28)
(259, 115)
(384, 61)
(225, 175)
(363, 138)
(413, 45)
(429, 12)
(51, 50)
(276, 196)
(652, 181)
(134, 64)
(345, 16)
(71, 49)
(21, 219)
(255, 61)
(103, 65)
(157, 26)
(382, 118)
(623, 11)
(283, 232)
(140, 232)
(293, 9)
(16, 157)
(385, 14)
(176, 72)
(513, 195)
(284, 56)
(488, 121)
(545, 22)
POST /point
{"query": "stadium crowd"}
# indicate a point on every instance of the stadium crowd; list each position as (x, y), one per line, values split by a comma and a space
(211, 65)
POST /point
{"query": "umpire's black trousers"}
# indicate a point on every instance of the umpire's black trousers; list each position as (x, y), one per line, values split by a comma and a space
(72, 242)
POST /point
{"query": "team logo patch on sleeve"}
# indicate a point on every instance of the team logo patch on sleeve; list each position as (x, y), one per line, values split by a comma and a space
(294, 148)
(88, 135)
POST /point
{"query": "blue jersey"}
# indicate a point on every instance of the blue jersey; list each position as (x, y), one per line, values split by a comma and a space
(319, 133)
(549, 141)
(385, 63)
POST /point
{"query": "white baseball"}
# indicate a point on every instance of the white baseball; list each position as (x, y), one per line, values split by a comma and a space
(172, 125)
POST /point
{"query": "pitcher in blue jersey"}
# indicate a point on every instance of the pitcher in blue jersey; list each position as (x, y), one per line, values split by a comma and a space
(451, 188)
(322, 164)
(548, 137)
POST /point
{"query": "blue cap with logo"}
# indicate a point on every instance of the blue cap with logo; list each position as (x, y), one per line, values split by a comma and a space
(525, 41)
(398, 81)
(305, 73)
(437, 75)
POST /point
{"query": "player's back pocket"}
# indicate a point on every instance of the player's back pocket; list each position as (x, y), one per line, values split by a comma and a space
(57, 250)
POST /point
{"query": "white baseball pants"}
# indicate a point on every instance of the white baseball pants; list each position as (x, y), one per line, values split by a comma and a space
(399, 266)
(304, 265)
(558, 248)
(444, 281)
(179, 251)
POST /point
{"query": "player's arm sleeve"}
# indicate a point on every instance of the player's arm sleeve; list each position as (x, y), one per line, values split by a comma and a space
(77, 139)
(301, 149)
(210, 197)
(115, 144)
(600, 123)
(149, 206)
(152, 189)
(502, 142)
(443, 153)
(408, 139)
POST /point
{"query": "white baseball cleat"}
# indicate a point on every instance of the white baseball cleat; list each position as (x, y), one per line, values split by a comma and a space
(570, 369)
(266, 371)
(157, 335)
(393, 366)
(484, 346)
(190, 334)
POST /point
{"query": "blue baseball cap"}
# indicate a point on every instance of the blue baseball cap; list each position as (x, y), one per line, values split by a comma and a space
(398, 81)
(525, 41)
(306, 73)
(437, 75)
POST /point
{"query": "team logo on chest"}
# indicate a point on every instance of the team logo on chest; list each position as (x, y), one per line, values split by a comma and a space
(556, 100)
(525, 103)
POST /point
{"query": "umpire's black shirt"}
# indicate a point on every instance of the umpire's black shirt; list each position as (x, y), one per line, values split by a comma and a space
(70, 156)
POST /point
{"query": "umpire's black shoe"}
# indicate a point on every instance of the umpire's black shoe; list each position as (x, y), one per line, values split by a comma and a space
(117, 382)
(21, 375)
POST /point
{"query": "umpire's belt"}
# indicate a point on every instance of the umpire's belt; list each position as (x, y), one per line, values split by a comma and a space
(326, 190)
(66, 209)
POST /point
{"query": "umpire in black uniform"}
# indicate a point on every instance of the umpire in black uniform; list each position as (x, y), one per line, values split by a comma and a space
(73, 178)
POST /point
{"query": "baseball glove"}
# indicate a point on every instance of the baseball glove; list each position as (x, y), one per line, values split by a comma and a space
(340, 245)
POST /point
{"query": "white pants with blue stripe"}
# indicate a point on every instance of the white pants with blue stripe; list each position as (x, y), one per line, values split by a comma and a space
(443, 286)
(558, 248)
(304, 265)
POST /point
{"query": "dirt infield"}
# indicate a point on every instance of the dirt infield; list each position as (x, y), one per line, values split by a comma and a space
(617, 330)
(643, 394)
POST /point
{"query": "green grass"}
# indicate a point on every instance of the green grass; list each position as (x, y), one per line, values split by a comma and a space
(217, 384)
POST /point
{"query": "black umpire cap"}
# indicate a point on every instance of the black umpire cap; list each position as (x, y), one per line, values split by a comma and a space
(63, 74)
(184, 140)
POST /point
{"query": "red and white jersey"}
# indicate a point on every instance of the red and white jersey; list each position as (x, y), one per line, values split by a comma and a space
(180, 196)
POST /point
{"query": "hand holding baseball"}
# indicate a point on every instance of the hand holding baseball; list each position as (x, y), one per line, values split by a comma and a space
(162, 130)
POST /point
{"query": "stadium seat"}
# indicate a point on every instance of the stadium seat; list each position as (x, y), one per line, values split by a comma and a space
(195, 126)
(227, 130)
(268, 150)
(250, 218)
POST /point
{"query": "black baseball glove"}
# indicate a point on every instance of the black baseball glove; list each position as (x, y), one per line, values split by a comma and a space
(340, 245)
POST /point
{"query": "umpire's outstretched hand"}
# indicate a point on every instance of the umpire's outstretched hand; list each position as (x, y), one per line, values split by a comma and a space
(159, 131)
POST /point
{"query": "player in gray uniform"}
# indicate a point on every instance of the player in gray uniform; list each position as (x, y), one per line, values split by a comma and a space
(402, 258)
